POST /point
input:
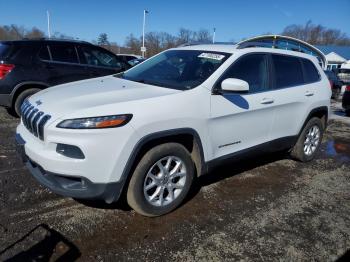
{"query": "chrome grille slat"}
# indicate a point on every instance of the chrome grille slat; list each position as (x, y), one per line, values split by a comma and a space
(35, 123)
(26, 114)
(33, 119)
(25, 109)
(41, 125)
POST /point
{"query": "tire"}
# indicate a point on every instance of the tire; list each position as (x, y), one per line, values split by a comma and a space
(20, 98)
(303, 152)
(147, 180)
(347, 112)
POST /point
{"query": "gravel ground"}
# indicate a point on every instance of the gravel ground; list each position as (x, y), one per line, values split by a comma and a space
(267, 208)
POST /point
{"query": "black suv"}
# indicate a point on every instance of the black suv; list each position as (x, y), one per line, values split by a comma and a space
(28, 66)
(335, 82)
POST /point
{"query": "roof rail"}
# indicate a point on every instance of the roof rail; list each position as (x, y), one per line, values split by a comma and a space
(195, 43)
(52, 39)
(254, 44)
(284, 42)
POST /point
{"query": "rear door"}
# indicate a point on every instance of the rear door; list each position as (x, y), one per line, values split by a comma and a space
(63, 65)
(242, 120)
(294, 91)
(100, 62)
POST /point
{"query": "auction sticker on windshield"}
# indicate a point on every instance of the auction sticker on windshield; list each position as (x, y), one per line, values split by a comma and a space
(211, 56)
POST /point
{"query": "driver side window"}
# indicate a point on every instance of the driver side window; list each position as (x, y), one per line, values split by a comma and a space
(251, 68)
(96, 57)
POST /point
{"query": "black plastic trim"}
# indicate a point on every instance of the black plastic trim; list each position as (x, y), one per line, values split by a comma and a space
(162, 134)
(321, 109)
(74, 186)
(267, 147)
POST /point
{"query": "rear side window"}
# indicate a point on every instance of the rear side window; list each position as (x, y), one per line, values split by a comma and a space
(97, 57)
(44, 53)
(288, 71)
(129, 58)
(64, 53)
(311, 73)
(4, 50)
(253, 69)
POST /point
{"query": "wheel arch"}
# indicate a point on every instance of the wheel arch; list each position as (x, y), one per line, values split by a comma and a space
(24, 86)
(188, 137)
(320, 112)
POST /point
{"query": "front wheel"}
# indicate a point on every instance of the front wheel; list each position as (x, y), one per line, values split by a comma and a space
(309, 141)
(161, 180)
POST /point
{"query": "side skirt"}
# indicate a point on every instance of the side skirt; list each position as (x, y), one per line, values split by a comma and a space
(276, 145)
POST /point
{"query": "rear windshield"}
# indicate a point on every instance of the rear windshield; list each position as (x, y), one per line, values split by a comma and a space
(4, 50)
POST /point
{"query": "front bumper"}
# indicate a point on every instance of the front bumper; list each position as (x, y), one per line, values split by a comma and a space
(77, 187)
(5, 100)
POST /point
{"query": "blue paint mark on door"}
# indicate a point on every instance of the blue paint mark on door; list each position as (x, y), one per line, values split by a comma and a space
(238, 100)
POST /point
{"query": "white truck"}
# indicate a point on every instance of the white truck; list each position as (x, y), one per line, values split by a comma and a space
(150, 131)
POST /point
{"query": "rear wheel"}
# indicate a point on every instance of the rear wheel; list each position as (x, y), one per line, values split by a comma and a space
(309, 141)
(161, 180)
(16, 110)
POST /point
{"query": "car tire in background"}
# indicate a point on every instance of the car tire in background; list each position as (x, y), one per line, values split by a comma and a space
(161, 180)
(309, 140)
(16, 110)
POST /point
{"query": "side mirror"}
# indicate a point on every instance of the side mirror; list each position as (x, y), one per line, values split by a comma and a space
(234, 85)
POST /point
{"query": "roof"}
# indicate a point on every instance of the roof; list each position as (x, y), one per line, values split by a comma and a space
(335, 58)
(343, 51)
(39, 40)
(211, 47)
(236, 49)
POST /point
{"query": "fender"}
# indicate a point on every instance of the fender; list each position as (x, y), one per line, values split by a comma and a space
(315, 111)
(45, 85)
(126, 175)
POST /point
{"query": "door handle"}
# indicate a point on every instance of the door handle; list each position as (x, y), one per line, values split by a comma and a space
(266, 101)
(308, 93)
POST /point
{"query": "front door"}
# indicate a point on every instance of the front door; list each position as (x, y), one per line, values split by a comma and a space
(242, 120)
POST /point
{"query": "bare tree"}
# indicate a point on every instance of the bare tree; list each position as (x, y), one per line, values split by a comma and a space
(133, 44)
(185, 36)
(35, 33)
(317, 34)
(203, 36)
(14, 32)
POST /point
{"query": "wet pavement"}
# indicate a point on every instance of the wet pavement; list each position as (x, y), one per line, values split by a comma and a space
(266, 208)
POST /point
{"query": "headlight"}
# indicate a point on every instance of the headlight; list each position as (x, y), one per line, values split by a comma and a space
(95, 122)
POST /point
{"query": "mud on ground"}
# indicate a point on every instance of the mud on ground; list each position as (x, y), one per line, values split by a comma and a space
(267, 208)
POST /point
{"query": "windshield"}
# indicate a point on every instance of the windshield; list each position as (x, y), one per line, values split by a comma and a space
(177, 69)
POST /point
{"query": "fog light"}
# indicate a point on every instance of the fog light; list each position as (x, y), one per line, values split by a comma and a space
(70, 151)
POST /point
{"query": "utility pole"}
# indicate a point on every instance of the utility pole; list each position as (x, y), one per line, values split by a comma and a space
(143, 48)
(48, 24)
(214, 29)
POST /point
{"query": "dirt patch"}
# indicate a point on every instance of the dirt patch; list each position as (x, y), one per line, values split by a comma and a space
(267, 208)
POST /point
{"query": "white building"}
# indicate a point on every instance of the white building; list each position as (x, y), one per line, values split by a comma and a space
(334, 60)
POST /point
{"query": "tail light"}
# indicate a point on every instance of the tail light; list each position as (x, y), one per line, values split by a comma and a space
(347, 88)
(5, 69)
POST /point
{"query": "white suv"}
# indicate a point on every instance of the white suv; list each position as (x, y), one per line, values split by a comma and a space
(151, 130)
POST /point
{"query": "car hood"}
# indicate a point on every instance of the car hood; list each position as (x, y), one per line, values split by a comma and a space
(68, 98)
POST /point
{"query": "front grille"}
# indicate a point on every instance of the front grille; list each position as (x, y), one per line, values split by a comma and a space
(33, 119)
